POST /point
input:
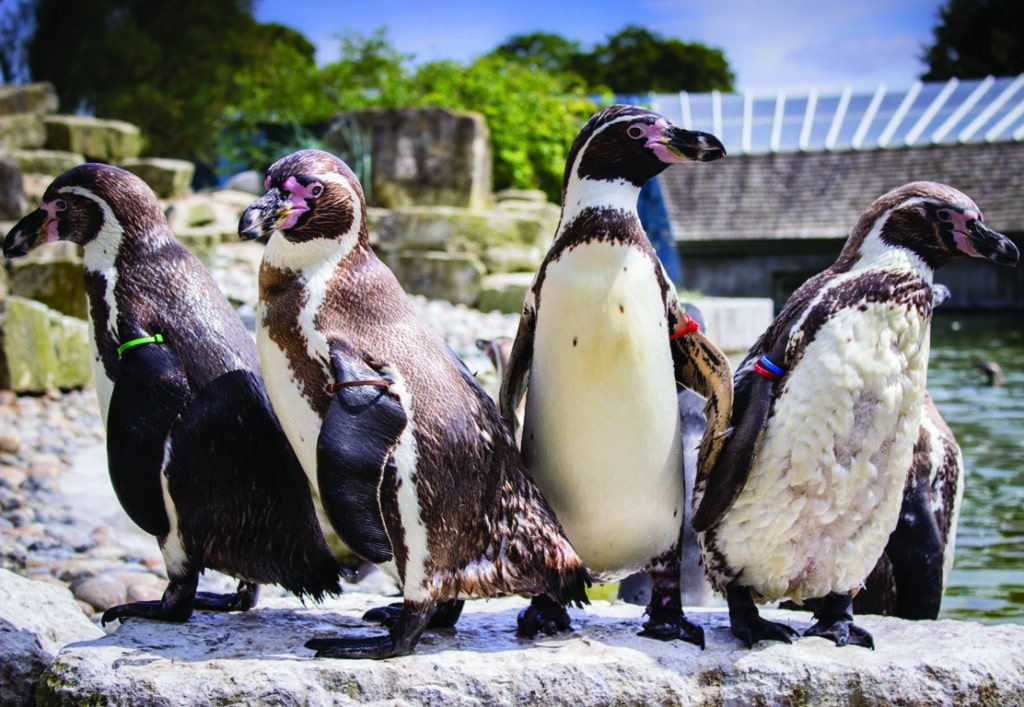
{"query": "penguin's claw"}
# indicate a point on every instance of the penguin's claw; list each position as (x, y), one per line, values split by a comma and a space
(543, 615)
(243, 599)
(154, 610)
(842, 632)
(373, 648)
(445, 615)
(670, 625)
(752, 629)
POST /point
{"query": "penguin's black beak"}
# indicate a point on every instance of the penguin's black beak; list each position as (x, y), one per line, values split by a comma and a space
(693, 144)
(262, 216)
(28, 233)
(993, 245)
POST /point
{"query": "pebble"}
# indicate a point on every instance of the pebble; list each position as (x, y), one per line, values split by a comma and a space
(40, 437)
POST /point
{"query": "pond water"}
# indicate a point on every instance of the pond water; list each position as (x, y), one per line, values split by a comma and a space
(987, 583)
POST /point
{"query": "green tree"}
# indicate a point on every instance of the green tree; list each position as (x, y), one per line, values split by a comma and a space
(636, 60)
(543, 50)
(532, 114)
(976, 38)
(167, 67)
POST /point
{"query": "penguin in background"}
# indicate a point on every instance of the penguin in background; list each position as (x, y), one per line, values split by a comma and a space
(828, 407)
(406, 452)
(196, 456)
(602, 350)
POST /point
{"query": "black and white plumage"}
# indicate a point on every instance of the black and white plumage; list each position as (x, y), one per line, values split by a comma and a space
(602, 348)
(196, 455)
(827, 412)
(412, 463)
(911, 575)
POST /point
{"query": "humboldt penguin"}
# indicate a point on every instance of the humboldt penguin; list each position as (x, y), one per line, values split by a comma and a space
(828, 404)
(408, 455)
(196, 456)
(602, 349)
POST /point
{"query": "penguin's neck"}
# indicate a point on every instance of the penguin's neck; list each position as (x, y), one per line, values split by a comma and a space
(589, 195)
(874, 254)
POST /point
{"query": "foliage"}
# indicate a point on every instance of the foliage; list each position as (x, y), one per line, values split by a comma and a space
(532, 114)
(631, 61)
(167, 67)
(977, 38)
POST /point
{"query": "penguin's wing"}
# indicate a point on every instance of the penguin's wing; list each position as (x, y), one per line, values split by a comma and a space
(361, 428)
(703, 368)
(517, 371)
(719, 483)
(149, 395)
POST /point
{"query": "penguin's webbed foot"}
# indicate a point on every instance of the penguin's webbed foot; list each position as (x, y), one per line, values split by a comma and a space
(746, 622)
(445, 615)
(834, 621)
(401, 639)
(243, 599)
(543, 615)
(174, 606)
(672, 624)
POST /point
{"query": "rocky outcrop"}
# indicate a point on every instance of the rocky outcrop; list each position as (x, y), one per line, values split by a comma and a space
(424, 156)
(41, 349)
(99, 140)
(36, 620)
(259, 656)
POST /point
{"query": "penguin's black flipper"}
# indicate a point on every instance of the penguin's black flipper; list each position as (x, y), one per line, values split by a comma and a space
(361, 427)
(704, 369)
(517, 371)
(149, 395)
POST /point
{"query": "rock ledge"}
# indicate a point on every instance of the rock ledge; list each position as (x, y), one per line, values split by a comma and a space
(259, 657)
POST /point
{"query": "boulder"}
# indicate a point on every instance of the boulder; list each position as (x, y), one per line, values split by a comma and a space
(22, 130)
(41, 349)
(475, 231)
(432, 156)
(504, 292)
(260, 655)
(37, 98)
(169, 179)
(437, 275)
(49, 162)
(99, 140)
(13, 204)
(36, 620)
(53, 275)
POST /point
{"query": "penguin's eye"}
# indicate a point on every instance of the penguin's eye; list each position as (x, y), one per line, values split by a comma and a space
(944, 215)
(316, 190)
(635, 131)
(60, 205)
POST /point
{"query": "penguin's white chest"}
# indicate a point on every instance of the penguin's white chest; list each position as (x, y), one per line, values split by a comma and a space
(824, 493)
(601, 431)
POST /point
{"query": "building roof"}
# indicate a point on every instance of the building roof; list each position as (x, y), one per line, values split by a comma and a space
(785, 178)
(924, 113)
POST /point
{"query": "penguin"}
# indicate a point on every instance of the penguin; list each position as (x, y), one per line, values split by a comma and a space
(195, 453)
(602, 348)
(828, 404)
(909, 578)
(406, 452)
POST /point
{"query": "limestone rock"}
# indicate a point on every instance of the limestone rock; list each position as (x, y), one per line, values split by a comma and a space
(437, 275)
(13, 204)
(169, 179)
(253, 657)
(36, 620)
(454, 230)
(433, 156)
(99, 140)
(38, 98)
(53, 275)
(504, 292)
(250, 182)
(48, 162)
(41, 349)
(22, 130)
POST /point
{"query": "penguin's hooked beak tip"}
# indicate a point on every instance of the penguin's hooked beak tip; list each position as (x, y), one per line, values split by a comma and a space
(260, 219)
(694, 145)
(25, 235)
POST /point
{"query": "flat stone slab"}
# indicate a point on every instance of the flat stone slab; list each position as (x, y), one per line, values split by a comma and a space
(259, 657)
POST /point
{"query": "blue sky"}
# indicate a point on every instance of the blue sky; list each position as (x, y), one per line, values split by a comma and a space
(788, 44)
